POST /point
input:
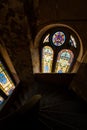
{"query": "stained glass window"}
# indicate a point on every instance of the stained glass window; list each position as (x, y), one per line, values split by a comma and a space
(64, 60)
(46, 39)
(72, 41)
(60, 48)
(47, 59)
(1, 100)
(58, 38)
(6, 84)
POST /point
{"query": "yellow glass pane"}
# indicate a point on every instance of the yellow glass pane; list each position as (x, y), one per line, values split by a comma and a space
(47, 59)
(64, 60)
(6, 84)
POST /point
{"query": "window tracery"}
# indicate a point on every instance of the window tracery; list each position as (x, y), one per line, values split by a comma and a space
(58, 37)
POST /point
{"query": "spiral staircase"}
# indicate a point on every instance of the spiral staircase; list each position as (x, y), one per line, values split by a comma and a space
(57, 108)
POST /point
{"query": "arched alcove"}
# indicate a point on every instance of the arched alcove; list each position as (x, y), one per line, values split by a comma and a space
(59, 37)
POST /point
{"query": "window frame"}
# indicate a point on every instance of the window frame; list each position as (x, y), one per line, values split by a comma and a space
(35, 47)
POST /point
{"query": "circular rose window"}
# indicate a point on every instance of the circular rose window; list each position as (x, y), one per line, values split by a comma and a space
(58, 38)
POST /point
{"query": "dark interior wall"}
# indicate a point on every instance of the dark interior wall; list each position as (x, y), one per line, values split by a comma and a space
(16, 16)
(62, 10)
(45, 12)
(48, 11)
(13, 31)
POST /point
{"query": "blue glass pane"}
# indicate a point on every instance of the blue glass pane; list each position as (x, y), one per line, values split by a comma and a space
(3, 79)
(46, 68)
(66, 55)
(1, 100)
(6, 83)
(60, 71)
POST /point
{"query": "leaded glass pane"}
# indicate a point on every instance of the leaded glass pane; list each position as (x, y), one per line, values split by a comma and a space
(72, 41)
(46, 39)
(64, 60)
(1, 100)
(47, 59)
(58, 38)
(6, 84)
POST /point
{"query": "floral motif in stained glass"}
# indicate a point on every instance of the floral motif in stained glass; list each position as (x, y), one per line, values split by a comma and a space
(58, 38)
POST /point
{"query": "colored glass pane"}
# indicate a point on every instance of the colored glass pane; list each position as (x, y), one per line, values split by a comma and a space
(46, 39)
(1, 100)
(6, 84)
(47, 59)
(72, 41)
(58, 38)
(64, 60)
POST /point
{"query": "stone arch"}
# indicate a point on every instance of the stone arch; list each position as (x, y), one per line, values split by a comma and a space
(35, 48)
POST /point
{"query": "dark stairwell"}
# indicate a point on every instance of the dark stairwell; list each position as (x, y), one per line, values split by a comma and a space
(60, 108)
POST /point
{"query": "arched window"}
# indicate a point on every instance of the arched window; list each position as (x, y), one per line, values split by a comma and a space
(58, 49)
(9, 79)
(47, 59)
(6, 83)
(64, 61)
